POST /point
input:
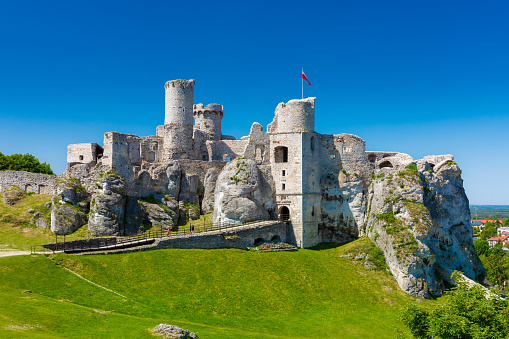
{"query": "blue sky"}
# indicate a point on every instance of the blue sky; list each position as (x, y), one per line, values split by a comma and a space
(428, 77)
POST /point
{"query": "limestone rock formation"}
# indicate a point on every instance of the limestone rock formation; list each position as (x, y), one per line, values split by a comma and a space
(12, 195)
(69, 190)
(343, 207)
(418, 215)
(66, 219)
(159, 215)
(209, 184)
(108, 206)
(242, 193)
(68, 206)
(172, 331)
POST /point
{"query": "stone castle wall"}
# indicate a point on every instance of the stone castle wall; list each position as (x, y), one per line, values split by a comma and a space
(28, 182)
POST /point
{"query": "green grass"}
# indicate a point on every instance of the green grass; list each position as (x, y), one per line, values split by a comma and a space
(17, 233)
(226, 293)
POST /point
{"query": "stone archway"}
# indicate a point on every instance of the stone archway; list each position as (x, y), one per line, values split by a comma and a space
(284, 213)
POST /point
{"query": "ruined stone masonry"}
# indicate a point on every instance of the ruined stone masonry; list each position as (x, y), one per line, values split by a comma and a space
(327, 187)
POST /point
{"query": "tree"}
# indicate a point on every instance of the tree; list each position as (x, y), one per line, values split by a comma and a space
(489, 231)
(466, 313)
(481, 247)
(506, 222)
(23, 162)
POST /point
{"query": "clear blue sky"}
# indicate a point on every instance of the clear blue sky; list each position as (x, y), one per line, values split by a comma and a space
(420, 77)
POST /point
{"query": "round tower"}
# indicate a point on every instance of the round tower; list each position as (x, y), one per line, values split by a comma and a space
(178, 119)
(296, 115)
(207, 120)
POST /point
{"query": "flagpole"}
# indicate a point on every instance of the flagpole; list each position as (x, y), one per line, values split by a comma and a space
(302, 78)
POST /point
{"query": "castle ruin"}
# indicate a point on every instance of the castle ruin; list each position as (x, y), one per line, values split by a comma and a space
(305, 165)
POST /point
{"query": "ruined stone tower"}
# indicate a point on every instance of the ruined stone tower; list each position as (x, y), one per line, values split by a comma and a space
(207, 121)
(178, 120)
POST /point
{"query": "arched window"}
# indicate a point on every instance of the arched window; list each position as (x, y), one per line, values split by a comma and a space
(281, 154)
(372, 157)
(312, 143)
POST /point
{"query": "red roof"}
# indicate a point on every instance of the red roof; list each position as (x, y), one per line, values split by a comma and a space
(493, 221)
(494, 239)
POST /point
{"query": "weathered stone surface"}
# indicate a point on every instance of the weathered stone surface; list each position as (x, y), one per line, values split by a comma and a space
(209, 184)
(171, 331)
(65, 219)
(108, 206)
(13, 195)
(190, 188)
(242, 193)
(343, 207)
(41, 222)
(69, 190)
(420, 219)
(159, 215)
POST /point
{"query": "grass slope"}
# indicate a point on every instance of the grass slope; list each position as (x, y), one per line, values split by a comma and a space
(226, 293)
(17, 233)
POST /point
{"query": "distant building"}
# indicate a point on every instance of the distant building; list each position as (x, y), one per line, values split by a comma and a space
(494, 240)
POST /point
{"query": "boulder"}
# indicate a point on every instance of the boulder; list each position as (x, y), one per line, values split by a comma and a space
(421, 221)
(41, 222)
(242, 193)
(107, 207)
(171, 331)
(66, 219)
(13, 195)
(209, 186)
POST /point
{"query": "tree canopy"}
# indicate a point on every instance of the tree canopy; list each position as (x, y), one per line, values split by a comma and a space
(466, 313)
(23, 162)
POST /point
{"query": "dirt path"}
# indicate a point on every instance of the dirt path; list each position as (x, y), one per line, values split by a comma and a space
(8, 253)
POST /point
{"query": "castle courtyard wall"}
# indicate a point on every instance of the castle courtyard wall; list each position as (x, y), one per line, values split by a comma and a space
(28, 182)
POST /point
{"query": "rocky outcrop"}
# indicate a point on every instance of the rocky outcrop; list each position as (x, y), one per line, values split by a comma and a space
(418, 215)
(69, 206)
(243, 193)
(209, 186)
(343, 207)
(66, 219)
(159, 215)
(70, 190)
(12, 195)
(107, 206)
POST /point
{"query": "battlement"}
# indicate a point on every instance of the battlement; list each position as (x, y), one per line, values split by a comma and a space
(180, 83)
(199, 109)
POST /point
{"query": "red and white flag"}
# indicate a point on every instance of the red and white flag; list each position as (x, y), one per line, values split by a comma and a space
(304, 77)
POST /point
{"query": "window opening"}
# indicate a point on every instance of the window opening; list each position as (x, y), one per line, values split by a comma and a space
(281, 154)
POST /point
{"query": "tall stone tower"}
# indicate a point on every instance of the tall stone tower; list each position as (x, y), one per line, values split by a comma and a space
(178, 119)
(296, 168)
(208, 121)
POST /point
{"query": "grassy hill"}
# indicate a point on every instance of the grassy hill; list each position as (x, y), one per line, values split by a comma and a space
(312, 293)
(228, 293)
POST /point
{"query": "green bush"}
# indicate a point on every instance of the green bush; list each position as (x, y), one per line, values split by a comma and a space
(467, 312)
